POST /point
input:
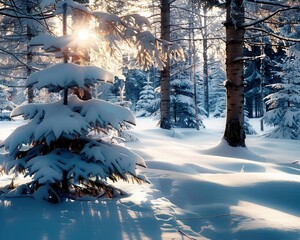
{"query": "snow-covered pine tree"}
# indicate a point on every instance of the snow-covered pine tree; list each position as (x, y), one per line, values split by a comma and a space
(248, 127)
(55, 148)
(183, 104)
(253, 82)
(144, 104)
(284, 104)
(217, 76)
(134, 85)
(6, 105)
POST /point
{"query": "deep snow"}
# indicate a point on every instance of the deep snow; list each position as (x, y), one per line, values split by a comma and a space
(200, 189)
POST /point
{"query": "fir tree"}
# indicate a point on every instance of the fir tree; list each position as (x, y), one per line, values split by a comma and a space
(217, 77)
(253, 82)
(6, 105)
(284, 104)
(144, 105)
(134, 85)
(183, 103)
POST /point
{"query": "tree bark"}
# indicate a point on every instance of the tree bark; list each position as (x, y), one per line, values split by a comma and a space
(205, 61)
(234, 130)
(192, 61)
(65, 18)
(30, 91)
(165, 115)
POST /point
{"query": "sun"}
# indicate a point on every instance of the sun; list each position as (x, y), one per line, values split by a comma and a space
(83, 34)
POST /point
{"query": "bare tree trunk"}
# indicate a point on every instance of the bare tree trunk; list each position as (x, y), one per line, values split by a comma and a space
(30, 92)
(192, 54)
(65, 18)
(234, 130)
(205, 61)
(165, 118)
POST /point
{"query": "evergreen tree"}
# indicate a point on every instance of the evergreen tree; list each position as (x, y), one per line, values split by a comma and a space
(217, 77)
(253, 82)
(144, 105)
(6, 105)
(134, 85)
(284, 104)
(182, 98)
(259, 68)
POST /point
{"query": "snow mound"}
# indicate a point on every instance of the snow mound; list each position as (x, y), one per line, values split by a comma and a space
(223, 149)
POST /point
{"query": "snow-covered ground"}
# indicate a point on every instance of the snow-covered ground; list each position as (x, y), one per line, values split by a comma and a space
(200, 189)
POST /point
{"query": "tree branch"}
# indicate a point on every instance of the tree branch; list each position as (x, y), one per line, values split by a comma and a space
(269, 3)
(16, 57)
(270, 16)
(274, 35)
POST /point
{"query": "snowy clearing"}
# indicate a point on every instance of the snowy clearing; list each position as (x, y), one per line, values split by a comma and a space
(200, 189)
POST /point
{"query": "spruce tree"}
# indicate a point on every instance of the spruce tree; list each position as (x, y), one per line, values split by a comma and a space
(217, 77)
(147, 96)
(6, 105)
(183, 103)
(134, 85)
(284, 103)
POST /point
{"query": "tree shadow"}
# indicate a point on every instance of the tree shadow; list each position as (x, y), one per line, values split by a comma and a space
(25, 218)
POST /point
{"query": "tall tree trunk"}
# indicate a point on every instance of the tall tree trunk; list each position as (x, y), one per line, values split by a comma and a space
(30, 92)
(65, 18)
(165, 118)
(192, 61)
(234, 130)
(205, 61)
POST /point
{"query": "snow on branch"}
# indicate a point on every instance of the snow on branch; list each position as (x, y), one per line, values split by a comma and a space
(95, 159)
(46, 3)
(148, 49)
(136, 20)
(259, 20)
(73, 6)
(112, 157)
(68, 75)
(131, 28)
(101, 113)
(49, 122)
(21, 135)
(269, 2)
(63, 45)
(273, 34)
(53, 43)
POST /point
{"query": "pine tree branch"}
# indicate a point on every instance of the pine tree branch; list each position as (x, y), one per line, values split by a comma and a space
(198, 39)
(272, 3)
(274, 35)
(15, 56)
(245, 25)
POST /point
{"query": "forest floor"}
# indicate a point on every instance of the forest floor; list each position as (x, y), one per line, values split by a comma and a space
(200, 189)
